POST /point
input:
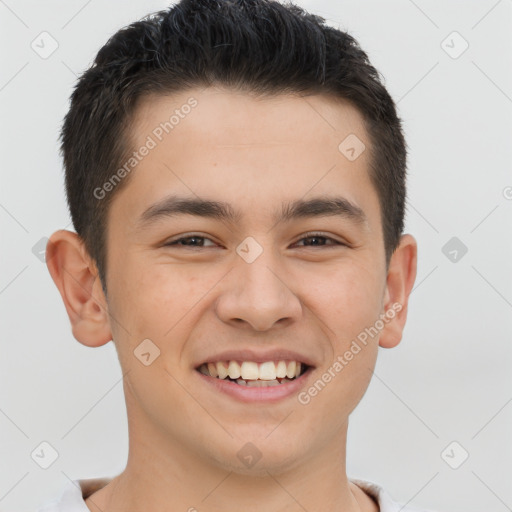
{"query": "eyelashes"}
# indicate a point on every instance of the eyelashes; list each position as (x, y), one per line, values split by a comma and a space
(186, 241)
(177, 242)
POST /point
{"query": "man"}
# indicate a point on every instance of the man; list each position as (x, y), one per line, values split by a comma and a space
(235, 172)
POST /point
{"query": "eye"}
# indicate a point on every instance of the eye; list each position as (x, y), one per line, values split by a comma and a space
(318, 239)
(189, 241)
(311, 240)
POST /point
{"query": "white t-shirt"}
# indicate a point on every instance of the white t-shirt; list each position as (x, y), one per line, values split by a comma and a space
(72, 498)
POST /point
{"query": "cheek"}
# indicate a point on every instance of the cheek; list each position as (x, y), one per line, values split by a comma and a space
(348, 299)
(162, 302)
(153, 302)
(348, 302)
(355, 342)
(349, 305)
(156, 294)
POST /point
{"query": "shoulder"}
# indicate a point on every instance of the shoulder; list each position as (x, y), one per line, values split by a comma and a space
(384, 500)
(73, 494)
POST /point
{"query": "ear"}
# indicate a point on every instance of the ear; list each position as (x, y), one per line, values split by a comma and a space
(400, 280)
(75, 275)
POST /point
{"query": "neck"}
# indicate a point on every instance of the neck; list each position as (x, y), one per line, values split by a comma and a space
(162, 474)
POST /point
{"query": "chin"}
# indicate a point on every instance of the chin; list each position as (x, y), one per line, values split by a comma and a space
(260, 456)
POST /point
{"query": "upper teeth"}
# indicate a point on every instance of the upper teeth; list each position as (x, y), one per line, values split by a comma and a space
(249, 370)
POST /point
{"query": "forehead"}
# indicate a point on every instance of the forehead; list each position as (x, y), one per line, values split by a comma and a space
(247, 149)
(217, 113)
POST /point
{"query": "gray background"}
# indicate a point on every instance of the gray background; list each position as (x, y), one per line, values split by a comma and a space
(449, 379)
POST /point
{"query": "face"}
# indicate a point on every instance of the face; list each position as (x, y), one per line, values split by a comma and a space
(246, 234)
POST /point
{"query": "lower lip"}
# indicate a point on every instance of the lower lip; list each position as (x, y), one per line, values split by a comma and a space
(257, 394)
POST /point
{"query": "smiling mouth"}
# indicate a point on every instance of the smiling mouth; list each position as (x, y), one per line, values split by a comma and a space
(252, 374)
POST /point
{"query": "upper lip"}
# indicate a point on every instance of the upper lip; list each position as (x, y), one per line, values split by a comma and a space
(258, 356)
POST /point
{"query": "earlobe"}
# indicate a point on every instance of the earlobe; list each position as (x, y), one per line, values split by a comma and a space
(400, 280)
(75, 275)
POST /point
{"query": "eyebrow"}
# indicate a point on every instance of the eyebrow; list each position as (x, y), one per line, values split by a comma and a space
(323, 206)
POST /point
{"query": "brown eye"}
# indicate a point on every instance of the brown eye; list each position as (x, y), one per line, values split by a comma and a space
(318, 240)
(189, 241)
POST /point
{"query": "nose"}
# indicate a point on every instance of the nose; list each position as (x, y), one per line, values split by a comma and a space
(258, 296)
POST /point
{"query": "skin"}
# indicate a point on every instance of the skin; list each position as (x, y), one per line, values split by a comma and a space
(193, 302)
